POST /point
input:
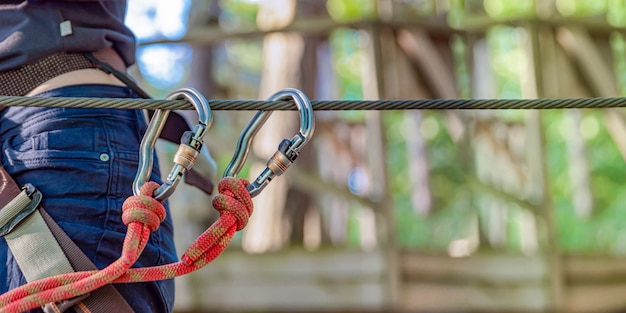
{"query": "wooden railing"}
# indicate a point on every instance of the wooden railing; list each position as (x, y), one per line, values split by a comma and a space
(339, 281)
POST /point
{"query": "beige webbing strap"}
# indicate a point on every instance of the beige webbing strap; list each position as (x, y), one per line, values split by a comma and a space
(19, 209)
(32, 244)
(106, 299)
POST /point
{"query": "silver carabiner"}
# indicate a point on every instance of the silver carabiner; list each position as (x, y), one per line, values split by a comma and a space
(188, 150)
(287, 151)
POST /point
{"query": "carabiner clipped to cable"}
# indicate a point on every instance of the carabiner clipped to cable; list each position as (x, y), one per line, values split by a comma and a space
(188, 150)
(288, 150)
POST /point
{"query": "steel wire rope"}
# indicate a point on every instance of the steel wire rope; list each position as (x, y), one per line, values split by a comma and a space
(321, 105)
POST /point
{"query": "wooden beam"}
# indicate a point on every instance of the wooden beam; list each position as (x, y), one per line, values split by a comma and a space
(599, 75)
(537, 167)
(423, 53)
(210, 34)
(293, 280)
(432, 24)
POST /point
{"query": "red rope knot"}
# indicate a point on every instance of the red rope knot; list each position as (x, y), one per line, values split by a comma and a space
(233, 197)
(143, 208)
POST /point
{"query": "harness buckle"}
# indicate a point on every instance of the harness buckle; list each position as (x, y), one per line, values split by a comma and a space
(188, 150)
(22, 206)
(64, 305)
(288, 150)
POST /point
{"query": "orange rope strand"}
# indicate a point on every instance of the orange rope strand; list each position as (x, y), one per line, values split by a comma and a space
(142, 214)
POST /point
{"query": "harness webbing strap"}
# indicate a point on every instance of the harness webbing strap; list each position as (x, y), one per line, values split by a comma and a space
(36, 251)
(42, 249)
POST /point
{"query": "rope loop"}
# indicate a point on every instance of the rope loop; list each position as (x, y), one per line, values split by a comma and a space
(234, 198)
(144, 208)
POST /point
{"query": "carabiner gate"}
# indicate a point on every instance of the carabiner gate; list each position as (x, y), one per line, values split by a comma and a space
(188, 150)
(288, 150)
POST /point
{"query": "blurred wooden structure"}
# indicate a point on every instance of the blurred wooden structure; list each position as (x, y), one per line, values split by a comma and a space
(351, 281)
(411, 56)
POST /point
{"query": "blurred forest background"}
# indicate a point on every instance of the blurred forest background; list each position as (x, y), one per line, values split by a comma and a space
(497, 210)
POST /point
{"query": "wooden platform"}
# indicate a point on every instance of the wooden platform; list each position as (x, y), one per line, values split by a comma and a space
(340, 281)
(290, 281)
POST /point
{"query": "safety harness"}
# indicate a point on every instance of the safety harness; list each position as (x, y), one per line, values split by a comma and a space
(60, 276)
(42, 249)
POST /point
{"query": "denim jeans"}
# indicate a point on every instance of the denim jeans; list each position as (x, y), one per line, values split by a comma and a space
(84, 162)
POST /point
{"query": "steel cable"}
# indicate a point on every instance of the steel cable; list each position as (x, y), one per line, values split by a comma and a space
(328, 105)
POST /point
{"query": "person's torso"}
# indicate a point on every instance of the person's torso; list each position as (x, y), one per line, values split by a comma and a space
(31, 30)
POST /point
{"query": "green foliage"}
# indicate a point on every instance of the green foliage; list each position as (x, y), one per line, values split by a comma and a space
(461, 70)
(508, 60)
(604, 231)
(347, 10)
(348, 60)
(581, 7)
(618, 45)
(503, 9)
(236, 13)
(615, 13)
(450, 216)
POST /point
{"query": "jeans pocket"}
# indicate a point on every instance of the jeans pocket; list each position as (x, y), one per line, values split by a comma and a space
(55, 145)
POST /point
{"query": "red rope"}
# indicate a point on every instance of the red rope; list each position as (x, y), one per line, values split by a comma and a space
(142, 214)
